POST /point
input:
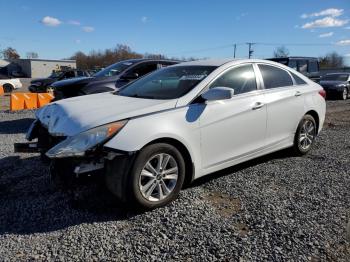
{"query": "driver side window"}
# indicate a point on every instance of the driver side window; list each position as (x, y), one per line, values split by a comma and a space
(241, 79)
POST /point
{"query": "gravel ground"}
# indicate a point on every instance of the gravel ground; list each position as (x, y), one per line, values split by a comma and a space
(275, 208)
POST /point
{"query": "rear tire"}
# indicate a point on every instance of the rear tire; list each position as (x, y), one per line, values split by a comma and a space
(305, 135)
(8, 88)
(155, 179)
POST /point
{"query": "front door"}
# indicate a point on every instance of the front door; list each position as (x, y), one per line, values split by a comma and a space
(233, 128)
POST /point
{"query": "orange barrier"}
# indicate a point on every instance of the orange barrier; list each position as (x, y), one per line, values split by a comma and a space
(44, 99)
(20, 101)
(16, 101)
(2, 92)
(30, 100)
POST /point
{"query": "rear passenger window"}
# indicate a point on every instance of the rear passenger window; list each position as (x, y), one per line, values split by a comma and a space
(298, 80)
(274, 77)
(240, 79)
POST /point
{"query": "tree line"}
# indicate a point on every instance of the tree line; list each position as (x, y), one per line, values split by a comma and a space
(96, 59)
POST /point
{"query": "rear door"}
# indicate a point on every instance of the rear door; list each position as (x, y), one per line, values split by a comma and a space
(284, 102)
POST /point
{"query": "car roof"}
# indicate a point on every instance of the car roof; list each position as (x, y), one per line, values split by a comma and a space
(208, 62)
(220, 62)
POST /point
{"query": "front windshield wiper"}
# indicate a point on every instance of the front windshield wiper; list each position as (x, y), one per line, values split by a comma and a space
(141, 96)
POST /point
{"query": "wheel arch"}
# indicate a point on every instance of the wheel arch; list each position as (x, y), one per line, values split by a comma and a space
(189, 165)
(314, 114)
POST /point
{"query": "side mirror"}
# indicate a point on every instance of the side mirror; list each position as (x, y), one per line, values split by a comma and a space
(130, 75)
(218, 93)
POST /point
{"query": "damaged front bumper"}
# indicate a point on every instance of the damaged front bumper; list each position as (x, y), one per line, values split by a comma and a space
(95, 159)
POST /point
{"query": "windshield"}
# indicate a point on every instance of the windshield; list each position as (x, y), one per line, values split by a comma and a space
(114, 69)
(167, 83)
(336, 77)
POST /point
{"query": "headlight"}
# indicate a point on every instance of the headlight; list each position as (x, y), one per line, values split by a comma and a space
(77, 145)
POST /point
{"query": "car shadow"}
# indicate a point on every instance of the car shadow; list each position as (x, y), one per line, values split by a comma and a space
(30, 203)
(15, 126)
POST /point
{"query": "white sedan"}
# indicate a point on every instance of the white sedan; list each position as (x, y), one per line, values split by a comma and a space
(178, 124)
(10, 84)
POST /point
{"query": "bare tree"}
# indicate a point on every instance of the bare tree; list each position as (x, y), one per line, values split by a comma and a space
(281, 51)
(10, 53)
(32, 55)
(332, 60)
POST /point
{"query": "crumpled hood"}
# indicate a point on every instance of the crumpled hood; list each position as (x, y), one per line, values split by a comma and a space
(69, 117)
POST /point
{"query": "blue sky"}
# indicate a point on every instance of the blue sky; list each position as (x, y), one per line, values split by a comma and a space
(57, 29)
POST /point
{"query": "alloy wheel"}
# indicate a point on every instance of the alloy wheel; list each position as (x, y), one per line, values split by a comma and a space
(158, 177)
(307, 134)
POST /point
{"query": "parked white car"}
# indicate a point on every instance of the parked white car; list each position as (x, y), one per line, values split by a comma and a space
(178, 124)
(10, 84)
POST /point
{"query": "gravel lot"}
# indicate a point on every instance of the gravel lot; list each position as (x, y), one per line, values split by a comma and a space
(275, 208)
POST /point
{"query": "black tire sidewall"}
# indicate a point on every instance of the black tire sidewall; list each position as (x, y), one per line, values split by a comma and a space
(297, 146)
(140, 162)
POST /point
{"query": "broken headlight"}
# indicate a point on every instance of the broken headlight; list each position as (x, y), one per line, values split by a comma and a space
(77, 145)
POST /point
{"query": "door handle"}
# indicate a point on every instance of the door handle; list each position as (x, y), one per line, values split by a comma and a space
(258, 105)
(297, 93)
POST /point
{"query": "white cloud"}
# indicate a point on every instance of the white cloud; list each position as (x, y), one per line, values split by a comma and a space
(73, 22)
(77, 41)
(88, 29)
(326, 35)
(333, 12)
(343, 42)
(50, 21)
(325, 22)
(241, 16)
(144, 19)
(347, 55)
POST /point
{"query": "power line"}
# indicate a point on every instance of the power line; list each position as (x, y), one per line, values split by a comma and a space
(250, 44)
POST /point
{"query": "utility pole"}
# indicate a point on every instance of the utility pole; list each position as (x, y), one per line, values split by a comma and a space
(250, 50)
(234, 50)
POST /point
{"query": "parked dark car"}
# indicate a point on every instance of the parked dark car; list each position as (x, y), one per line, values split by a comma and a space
(42, 84)
(308, 66)
(336, 85)
(111, 78)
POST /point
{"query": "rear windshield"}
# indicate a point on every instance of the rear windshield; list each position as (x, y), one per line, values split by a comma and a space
(336, 77)
(167, 83)
(115, 69)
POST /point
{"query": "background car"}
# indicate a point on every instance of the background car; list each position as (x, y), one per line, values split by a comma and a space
(10, 84)
(41, 85)
(111, 78)
(308, 66)
(336, 85)
(180, 123)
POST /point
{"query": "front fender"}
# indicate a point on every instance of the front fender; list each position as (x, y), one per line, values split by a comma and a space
(175, 124)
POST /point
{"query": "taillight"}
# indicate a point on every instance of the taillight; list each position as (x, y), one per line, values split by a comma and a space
(322, 93)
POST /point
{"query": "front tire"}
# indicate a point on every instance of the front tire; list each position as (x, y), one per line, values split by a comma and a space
(345, 94)
(156, 177)
(305, 135)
